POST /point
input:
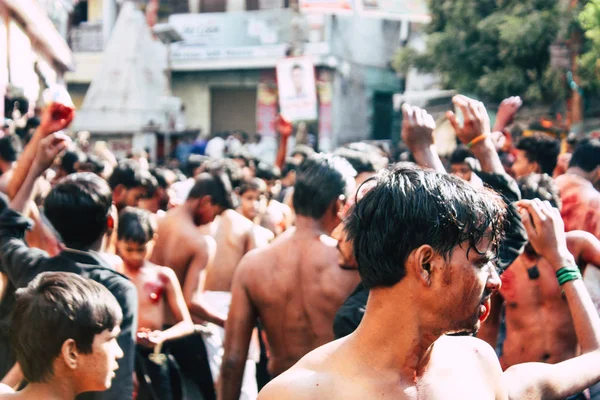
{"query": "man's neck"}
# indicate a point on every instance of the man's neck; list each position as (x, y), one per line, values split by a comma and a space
(310, 224)
(53, 390)
(578, 172)
(400, 344)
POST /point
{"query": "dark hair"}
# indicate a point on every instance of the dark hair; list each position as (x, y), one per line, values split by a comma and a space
(321, 180)
(216, 185)
(253, 184)
(540, 186)
(542, 149)
(78, 208)
(410, 207)
(10, 148)
(303, 150)
(135, 225)
(70, 160)
(267, 172)
(130, 174)
(291, 165)
(55, 307)
(361, 162)
(586, 155)
(92, 164)
(460, 154)
(243, 155)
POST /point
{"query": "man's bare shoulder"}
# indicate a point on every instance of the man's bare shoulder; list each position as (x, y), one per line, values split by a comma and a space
(313, 377)
(238, 220)
(475, 355)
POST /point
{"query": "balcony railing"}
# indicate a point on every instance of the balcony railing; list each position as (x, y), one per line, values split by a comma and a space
(87, 37)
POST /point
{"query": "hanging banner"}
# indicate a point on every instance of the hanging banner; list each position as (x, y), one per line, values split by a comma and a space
(325, 90)
(297, 89)
(266, 105)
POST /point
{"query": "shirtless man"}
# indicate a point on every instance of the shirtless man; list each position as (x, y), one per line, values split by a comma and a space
(157, 288)
(430, 271)
(180, 246)
(235, 236)
(10, 149)
(536, 307)
(295, 285)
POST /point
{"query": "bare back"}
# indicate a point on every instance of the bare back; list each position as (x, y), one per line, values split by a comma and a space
(297, 287)
(234, 236)
(177, 242)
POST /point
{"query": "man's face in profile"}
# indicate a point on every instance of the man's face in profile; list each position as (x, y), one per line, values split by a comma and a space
(298, 79)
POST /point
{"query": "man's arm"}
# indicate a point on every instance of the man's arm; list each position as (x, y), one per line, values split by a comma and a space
(284, 128)
(417, 133)
(476, 124)
(192, 289)
(506, 112)
(48, 126)
(179, 310)
(585, 247)
(545, 229)
(238, 332)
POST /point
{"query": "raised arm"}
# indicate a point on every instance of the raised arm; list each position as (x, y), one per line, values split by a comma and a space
(506, 112)
(48, 125)
(48, 148)
(192, 289)
(285, 128)
(545, 229)
(417, 133)
(475, 133)
(238, 332)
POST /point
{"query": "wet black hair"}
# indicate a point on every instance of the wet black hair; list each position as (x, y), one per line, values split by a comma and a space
(460, 154)
(320, 181)
(78, 208)
(291, 165)
(10, 148)
(135, 225)
(540, 186)
(542, 149)
(410, 207)
(53, 308)
(215, 184)
(70, 159)
(252, 184)
(586, 155)
(130, 174)
(360, 161)
(267, 172)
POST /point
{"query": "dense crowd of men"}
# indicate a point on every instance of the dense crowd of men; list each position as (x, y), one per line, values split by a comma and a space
(363, 273)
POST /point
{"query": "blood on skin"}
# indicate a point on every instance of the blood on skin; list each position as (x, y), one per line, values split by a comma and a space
(155, 290)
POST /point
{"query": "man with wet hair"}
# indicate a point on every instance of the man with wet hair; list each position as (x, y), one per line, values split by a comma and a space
(64, 332)
(428, 241)
(294, 286)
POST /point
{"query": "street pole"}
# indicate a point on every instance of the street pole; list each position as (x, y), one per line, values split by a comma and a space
(575, 119)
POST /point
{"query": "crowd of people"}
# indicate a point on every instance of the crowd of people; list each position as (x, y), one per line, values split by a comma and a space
(363, 273)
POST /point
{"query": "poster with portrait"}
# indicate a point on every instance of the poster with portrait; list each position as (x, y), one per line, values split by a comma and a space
(297, 89)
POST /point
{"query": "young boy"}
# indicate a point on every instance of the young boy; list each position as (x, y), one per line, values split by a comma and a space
(159, 296)
(253, 206)
(64, 332)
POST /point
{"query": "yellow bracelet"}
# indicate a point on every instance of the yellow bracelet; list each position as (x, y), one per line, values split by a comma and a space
(478, 139)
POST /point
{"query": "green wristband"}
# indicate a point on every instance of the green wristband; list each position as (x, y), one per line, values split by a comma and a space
(567, 274)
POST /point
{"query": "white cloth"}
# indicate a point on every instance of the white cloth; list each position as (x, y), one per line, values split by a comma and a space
(214, 342)
(215, 148)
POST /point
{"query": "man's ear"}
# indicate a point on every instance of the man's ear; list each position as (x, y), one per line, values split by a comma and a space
(110, 223)
(338, 208)
(421, 263)
(70, 354)
(119, 193)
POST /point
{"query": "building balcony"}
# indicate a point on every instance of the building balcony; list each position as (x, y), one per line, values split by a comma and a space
(86, 38)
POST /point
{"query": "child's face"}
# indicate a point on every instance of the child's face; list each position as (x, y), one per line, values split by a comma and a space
(133, 253)
(250, 204)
